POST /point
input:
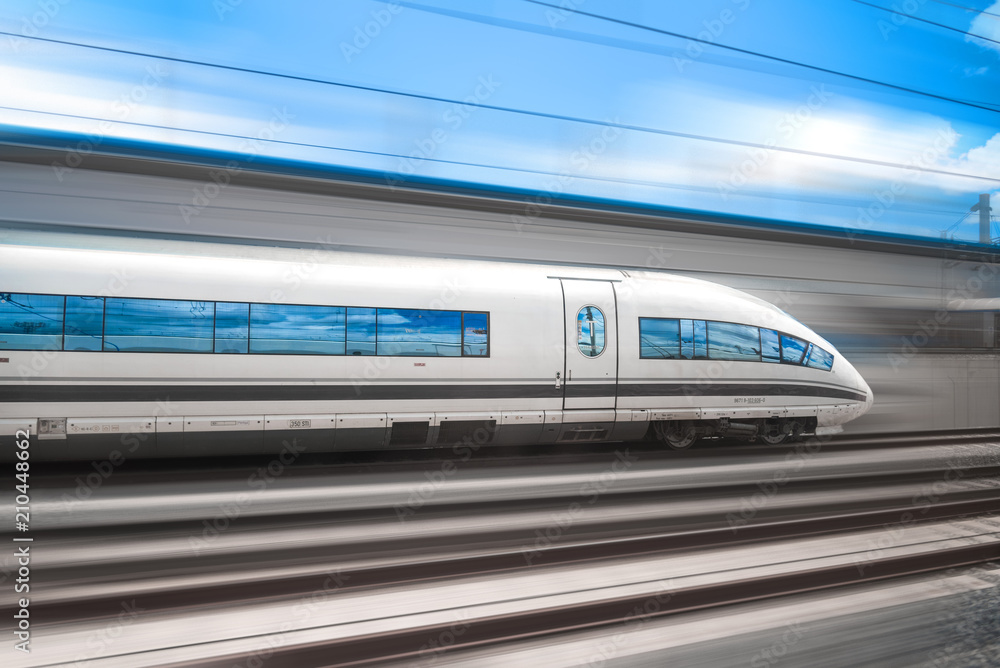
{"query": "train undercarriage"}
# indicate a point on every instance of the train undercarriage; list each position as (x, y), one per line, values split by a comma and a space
(682, 434)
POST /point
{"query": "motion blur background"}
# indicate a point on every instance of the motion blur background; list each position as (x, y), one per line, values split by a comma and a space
(837, 158)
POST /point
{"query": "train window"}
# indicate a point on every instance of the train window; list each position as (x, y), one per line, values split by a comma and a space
(590, 331)
(770, 347)
(694, 336)
(158, 325)
(232, 327)
(475, 334)
(687, 339)
(113, 324)
(84, 323)
(659, 338)
(729, 341)
(30, 322)
(792, 349)
(416, 332)
(292, 329)
(700, 340)
(360, 331)
(819, 358)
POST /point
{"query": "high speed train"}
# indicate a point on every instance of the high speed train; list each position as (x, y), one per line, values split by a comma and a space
(143, 347)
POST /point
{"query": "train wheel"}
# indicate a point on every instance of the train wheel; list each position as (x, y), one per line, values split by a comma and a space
(775, 432)
(678, 435)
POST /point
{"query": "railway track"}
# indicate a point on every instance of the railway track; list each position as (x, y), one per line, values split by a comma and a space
(507, 554)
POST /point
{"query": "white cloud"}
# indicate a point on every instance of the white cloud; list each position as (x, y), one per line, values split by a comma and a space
(987, 26)
(983, 160)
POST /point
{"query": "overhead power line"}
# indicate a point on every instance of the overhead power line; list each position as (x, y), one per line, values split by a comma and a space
(538, 114)
(968, 9)
(933, 23)
(520, 170)
(976, 105)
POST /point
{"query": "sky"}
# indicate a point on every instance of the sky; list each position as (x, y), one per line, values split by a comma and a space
(864, 116)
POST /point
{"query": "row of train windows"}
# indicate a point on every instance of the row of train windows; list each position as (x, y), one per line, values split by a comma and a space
(47, 322)
(668, 338)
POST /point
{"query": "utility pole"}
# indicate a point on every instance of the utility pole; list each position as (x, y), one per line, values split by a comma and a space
(990, 320)
(984, 218)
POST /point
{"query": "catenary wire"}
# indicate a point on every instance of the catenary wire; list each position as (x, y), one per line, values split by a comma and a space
(977, 105)
(917, 18)
(560, 175)
(968, 9)
(538, 114)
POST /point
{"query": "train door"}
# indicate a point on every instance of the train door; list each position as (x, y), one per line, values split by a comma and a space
(591, 353)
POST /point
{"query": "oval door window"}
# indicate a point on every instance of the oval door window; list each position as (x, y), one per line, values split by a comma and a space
(590, 331)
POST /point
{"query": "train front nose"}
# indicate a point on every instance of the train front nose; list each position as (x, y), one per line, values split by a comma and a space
(869, 395)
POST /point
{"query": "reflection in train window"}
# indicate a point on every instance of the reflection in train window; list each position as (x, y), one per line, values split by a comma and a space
(659, 338)
(729, 341)
(158, 325)
(232, 323)
(590, 331)
(770, 347)
(694, 339)
(119, 324)
(475, 334)
(360, 331)
(297, 330)
(819, 358)
(419, 332)
(792, 349)
(84, 323)
(30, 322)
(700, 340)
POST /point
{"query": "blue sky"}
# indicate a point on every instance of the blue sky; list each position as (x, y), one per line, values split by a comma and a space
(584, 98)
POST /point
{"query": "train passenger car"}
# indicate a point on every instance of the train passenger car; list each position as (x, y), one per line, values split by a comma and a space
(153, 347)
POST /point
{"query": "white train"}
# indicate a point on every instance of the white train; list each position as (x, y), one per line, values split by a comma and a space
(169, 348)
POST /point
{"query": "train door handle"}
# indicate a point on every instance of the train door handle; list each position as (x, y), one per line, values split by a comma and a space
(558, 380)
